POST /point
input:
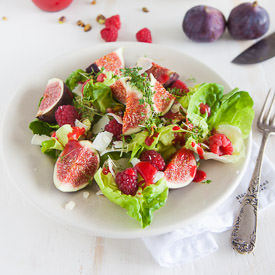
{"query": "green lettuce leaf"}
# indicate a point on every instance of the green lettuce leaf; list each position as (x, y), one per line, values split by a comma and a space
(141, 206)
(75, 78)
(236, 109)
(40, 127)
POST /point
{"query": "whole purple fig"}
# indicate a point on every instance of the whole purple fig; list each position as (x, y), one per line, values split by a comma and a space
(248, 21)
(203, 24)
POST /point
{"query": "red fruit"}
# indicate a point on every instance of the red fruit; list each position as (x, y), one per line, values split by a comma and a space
(181, 86)
(112, 62)
(135, 113)
(144, 35)
(154, 158)
(76, 166)
(76, 133)
(127, 181)
(52, 5)
(204, 108)
(101, 77)
(119, 90)
(181, 169)
(113, 21)
(219, 144)
(147, 172)
(162, 100)
(66, 114)
(200, 176)
(163, 75)
(115, 128)
(109, 34)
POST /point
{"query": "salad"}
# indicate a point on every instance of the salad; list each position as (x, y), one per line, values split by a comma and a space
(137, 131)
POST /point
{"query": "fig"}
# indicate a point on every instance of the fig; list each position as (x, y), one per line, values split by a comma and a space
(163, 75)
(248, 21)
(119, 90)
(203, 23)
(135, 113)
(181, 170)
(76, 166)
(162, 100)
(112, 62)
(55, 95)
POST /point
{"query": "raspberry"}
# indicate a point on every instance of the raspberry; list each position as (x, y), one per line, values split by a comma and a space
(66, 114)
(154, 158)
(115, 128)
(113, 21)
(219, 144)
(109, 34)
(127, 181)
(181, 86)
(101, 77)
(144, 35)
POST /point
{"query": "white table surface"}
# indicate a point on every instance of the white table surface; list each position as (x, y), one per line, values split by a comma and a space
(31, 243)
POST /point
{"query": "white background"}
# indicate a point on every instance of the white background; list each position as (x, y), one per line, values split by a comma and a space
(31, 243)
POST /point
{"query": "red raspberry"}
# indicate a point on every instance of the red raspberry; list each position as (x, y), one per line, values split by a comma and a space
(115, 128)
(109, 34)
(181, 86)
(144, 35)
(113, 21)
(101, 77)
(154, 158)
(219, 144)
(127, 181)
(66, 114)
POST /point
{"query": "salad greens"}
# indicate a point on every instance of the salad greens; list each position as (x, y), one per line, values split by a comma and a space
(229, 115)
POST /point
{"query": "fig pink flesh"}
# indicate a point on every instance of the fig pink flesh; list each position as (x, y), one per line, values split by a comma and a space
(50, 96)
(76, 164)
(181, 169)
(111, 63)
(119, 91)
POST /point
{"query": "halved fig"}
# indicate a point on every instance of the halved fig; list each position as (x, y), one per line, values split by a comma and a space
(55, 95)
(136, 112)
(119, 90)
(181, 170)
(112, 62)
(163, 75)
(162, 99)
(76, 166)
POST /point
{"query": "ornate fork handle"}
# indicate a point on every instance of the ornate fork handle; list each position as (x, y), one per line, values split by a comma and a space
(244, 230)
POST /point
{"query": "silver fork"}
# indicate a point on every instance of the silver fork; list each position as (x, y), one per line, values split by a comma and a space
(244, 230)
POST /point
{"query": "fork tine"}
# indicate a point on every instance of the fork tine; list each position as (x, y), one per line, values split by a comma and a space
(270, 111)
(264, 108)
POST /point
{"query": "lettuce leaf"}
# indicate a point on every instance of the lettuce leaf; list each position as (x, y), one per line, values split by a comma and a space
(40, 127)
(236, 109)
(141, 206)
(76, 77)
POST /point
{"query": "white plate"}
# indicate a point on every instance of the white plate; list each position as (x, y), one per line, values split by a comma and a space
(31, 171)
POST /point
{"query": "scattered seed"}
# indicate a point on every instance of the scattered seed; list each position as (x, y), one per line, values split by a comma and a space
(144, 9)
(100, 19)
(4, 18)
(70, 205)
(80, 23)
(61, 19)
(87, 28)
(93, 2)
(86, 195)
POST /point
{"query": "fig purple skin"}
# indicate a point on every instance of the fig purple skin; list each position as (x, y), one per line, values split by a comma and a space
(172, 78)
(203, 24)
(248, 21)
(93, 68)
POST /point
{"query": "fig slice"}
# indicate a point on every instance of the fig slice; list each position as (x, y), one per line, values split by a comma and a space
(56, 94)
(136, 112)
(119, 90)
(112, 62)
(163, 75)
(181, 170)
(162, 99)
(76, 166)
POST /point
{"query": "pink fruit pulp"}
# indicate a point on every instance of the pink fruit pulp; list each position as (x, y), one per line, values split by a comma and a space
(76, 164)
(147, 171)
(111, 63)
(52, 92)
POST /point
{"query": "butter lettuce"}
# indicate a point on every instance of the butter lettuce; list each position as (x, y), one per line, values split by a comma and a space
(141, 206)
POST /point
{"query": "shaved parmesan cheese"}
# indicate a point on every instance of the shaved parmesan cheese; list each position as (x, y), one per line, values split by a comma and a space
(135, 161)
(102, 141)
(80, 124)
(100, 125)
(144, 63)
(158, 176)
(116, 117)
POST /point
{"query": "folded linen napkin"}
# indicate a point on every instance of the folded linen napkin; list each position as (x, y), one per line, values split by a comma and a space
(197, 240)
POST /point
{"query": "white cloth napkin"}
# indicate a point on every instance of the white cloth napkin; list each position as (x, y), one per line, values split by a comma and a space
(197, 240)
